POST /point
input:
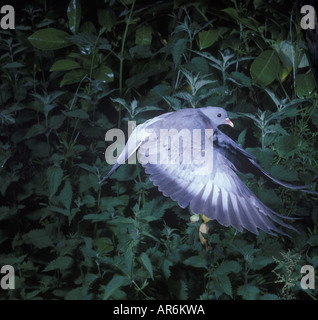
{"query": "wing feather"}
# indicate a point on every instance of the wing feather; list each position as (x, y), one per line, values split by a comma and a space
(208, 183)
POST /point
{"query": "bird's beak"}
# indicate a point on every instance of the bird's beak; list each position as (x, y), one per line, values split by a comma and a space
(229, 122)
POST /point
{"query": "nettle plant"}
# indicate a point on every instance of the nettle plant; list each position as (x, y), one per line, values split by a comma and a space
(70, 74)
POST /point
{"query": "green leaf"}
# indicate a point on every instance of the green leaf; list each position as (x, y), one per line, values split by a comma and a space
(104, 74)
(302, 59)
(59, 210)
(240, 78)
(7, 212)
(39, 149)
(248, 292)
(257, 3)
(64, 64)
(75, 294)
(282, 173)
(74, 76)
(56, 121)
(54, 177)
(88, 27)
(313, 240)
(270, 198)
(87, 167)
(30, 295)
(79, 113)
(96, 217)
(264, 156)
(233, 43)
(227, 267)
(224, 284)
(207, 38)
(103, 244)
(179, 289)
(276, 128)
(288, 145)
(166, 268)
(314, 117)
(305, 85)
(144, 36)
(35, 130)
(74, 14)
(65, 196)
(61, 263)
(197, 261)
(146, 109)
(146, 262)
(288, 112)
(106, 18)
(88, 181)
(141, 78)
(174, 103)
(178, 50)
(286, 52)
(49, 39)
(120, 101)
(241, 137)
(12, 65)
(141, 52)
(156, 210)
(113, 285)
(88, 281)
(265, 68)
(269, 296)
(248, 22)
(273, 131)
(260, 262)
(199, 65)
(39, 238)
(6, 259)
(109, 203)
(183, 291)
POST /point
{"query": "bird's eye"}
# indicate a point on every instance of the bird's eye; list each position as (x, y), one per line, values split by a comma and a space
(219, 115)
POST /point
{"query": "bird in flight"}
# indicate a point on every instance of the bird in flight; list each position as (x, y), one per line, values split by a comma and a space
(200, 171)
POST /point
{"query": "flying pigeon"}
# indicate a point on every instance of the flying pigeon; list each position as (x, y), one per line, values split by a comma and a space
(191, 161)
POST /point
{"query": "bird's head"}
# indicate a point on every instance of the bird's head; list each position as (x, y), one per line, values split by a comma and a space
(217, 116)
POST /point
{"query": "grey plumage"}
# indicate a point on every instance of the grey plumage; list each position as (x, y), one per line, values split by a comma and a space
(209, 187)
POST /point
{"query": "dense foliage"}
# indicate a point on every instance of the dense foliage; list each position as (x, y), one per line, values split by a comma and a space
(72, 71)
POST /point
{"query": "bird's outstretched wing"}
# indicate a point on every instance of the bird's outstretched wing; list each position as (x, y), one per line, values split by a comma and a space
(244, 162)
(219, 194)
(202, 174)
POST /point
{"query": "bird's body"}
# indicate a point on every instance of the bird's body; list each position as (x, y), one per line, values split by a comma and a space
(201, 170)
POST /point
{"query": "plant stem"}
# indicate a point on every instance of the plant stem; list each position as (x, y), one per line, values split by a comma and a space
(263, 137)
(121, 58)
(143, 193)
(93, 56)
(139, 289)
